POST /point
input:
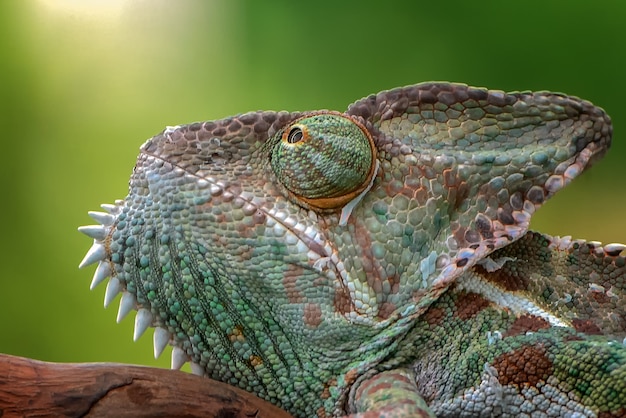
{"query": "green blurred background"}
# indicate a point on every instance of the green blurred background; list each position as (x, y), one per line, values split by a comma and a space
(83, 83)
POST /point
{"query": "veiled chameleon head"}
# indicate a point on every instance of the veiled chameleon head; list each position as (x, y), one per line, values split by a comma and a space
(311, 241)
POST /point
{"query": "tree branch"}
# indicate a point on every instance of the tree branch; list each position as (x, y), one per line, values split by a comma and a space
(36, 388)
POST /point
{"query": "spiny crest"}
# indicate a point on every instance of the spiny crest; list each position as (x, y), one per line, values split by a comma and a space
(144, 318)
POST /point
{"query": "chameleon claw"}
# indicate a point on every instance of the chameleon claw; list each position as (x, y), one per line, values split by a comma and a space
(161, 338)
(97, 252)
(113, 288)
(179, 357)
(102, 272)
(127, 304)
(97, 232)
(142, 321)
(102, 218)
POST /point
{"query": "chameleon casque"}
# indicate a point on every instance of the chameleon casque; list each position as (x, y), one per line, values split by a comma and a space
(376, 262)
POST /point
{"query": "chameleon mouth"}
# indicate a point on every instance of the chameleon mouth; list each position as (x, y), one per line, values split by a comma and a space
(100, 252)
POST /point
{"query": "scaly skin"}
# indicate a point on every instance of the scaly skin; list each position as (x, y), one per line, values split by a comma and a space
(377, 262)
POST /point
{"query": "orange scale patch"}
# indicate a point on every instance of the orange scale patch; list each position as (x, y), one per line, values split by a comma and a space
(450, 179)
(351, 376)
(290, 283)
(326, 392)
(394, 284)
(586, 326)
(526, 323)
(312, 315)
(600, 297)
(256, 361)
(321, 412)
(386, 309)
(342, 301)
(469, 305)
(237, 334)
(504, 279)
(525, 366)
(613, 414)
(434, 316)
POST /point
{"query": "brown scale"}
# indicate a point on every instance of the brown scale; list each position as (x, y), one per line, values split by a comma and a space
(525, 366)
(469, 305)
(526, 323)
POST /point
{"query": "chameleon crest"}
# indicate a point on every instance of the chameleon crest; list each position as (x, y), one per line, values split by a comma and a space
(377, 260)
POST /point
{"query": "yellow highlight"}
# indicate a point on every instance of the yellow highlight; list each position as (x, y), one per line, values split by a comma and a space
(104, 9)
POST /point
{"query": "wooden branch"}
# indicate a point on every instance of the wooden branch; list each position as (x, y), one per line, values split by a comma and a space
(36, 388)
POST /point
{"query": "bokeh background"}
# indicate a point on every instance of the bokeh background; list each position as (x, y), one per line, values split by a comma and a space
(83, 83)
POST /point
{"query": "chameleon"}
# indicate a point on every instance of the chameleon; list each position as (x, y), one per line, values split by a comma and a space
(376, 262)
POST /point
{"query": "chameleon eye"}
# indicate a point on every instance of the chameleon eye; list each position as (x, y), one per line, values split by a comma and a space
(295, 135)
(324, 160)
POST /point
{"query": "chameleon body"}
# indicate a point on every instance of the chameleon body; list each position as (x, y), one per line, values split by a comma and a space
(377, 262)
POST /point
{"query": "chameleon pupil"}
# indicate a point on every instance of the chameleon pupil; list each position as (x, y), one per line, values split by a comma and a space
(295, 135)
